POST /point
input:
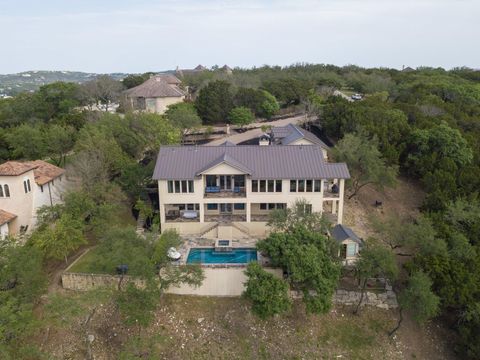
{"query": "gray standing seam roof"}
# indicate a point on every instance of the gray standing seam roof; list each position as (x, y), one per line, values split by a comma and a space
(291, 133)
(261, 162)
(341, 232)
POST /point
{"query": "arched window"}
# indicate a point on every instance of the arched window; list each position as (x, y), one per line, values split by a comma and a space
(7, 190)
(1, 191)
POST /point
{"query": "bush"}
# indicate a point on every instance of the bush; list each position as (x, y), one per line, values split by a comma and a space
(241, 116)
(269, 294)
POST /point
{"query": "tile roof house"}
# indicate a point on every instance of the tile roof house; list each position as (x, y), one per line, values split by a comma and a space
(25, 187)
(241, 185)
(156, 94)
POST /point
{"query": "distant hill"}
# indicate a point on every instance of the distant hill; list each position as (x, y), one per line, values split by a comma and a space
(12, 84)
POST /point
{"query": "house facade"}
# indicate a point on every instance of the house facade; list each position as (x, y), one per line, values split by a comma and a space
(24, 188)
(156, 94)
(206, 187)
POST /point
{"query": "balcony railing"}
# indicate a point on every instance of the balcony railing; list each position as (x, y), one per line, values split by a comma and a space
(182, 216)
(225, 218)
(217, 192)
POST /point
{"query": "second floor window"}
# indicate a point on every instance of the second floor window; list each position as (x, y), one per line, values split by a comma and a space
(26, 186)
(305, 185)
(266, 185)
(180, 186)
(4, 191)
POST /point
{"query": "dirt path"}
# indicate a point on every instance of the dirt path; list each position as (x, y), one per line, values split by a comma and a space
(56, 270)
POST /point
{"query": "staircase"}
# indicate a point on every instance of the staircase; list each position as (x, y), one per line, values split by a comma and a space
(241, 228)
(207, 228)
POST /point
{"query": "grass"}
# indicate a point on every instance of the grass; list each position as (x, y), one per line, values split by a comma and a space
(87, 264)
(215, 328)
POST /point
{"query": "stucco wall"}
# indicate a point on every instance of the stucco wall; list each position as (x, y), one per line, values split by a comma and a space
(160, 105)
(220, 282)
(317, 199)
(19, 203)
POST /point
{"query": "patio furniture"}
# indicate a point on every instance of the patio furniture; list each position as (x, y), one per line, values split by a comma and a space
(190, 214)
(212, 189)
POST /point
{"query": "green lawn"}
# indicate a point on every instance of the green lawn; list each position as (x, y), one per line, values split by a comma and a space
(88, 264)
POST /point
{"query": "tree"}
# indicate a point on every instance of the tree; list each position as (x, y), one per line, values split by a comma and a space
(104, 90)
(261, 102)
(374, 261)
(214, 102)
(419, 299)
(307, 258)
(59, 140)
(298, 214)
(417, 236)
(365, 162)
(22, 281)
(241, 116)
(428, 146)
(183, 115)
(132, 80)
(58, 240)
(268, 294)
(27, 142)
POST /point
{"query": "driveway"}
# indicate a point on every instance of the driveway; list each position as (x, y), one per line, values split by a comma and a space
(256, 130)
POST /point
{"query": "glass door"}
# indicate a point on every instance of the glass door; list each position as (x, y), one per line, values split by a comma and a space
(225, 182)
(225, 208)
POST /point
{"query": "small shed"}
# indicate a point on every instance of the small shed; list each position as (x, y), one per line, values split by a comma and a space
(349, 242)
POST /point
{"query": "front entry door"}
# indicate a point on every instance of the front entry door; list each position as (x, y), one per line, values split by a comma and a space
(225, 208)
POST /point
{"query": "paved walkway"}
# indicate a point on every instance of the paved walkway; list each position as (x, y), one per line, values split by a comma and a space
(256, 130)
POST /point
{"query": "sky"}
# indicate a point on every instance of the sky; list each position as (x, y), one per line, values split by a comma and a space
(135, 36)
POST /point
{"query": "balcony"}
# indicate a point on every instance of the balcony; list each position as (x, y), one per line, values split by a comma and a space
(182, 216)
(331, 191)
(226, 218)
(218, 192)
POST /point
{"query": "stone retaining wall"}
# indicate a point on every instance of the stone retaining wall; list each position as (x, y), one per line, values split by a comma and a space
(84, 282)
(384, 300)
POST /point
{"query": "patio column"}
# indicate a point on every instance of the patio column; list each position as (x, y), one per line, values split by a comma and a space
(202, 212)
(248, 212)
(334, 206)
(341, 193)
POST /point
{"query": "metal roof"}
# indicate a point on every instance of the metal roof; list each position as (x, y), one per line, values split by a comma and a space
(262, 162)
(291, 133)
(341, 232)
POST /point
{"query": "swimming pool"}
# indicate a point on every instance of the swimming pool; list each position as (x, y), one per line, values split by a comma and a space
(210, 256)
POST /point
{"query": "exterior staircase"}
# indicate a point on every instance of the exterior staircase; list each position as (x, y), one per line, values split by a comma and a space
(241, 228)
(207, 229)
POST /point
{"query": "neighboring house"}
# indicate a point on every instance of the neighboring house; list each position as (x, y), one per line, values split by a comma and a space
(156, 94)
(196, 70)
(292, 135)
(350, 244)
(201, 187)
(25, 187)
(227, 69)
(5, 219)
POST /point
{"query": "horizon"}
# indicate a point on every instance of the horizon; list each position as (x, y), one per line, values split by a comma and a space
(127, 36)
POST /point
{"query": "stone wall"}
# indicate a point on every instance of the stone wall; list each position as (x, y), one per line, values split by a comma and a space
(84, 282)
(383, 300)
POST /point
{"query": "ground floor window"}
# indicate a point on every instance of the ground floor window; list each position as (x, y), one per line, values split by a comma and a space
(212, 206)
(239, 206)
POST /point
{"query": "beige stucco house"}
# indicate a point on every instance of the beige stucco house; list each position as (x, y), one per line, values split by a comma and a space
(205, 189)
(156, 94)
(24, 188)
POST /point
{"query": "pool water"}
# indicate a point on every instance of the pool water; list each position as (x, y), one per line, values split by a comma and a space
(210, 256)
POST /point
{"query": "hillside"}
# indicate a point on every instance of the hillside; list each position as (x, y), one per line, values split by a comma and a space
(11, 84)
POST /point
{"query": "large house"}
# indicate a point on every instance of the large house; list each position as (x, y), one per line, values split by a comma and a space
(156, 94)
(292, 134)
(203, 188)
(24, 188)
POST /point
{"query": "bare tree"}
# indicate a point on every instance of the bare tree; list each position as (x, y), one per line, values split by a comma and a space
(104, 90)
